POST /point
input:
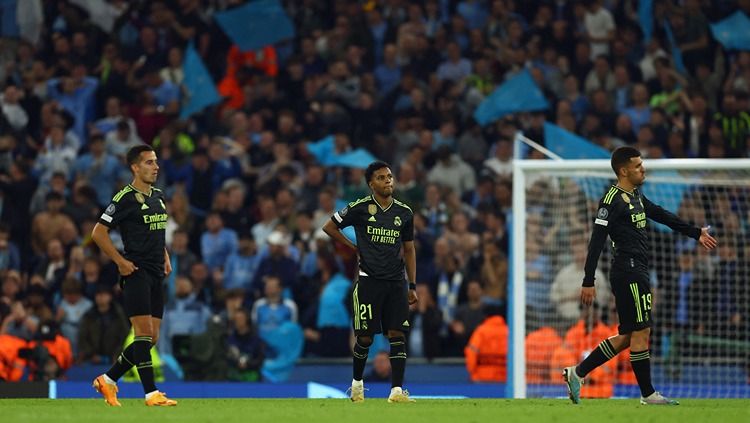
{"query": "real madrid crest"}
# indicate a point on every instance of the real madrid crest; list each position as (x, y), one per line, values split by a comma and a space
(625, 198)
(397, 221)
(372, 209)
(139, 198)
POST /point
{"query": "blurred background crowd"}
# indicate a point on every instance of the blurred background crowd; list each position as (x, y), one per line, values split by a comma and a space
(255, 280)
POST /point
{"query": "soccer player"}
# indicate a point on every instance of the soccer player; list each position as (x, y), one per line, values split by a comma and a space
(139, 212)
(622, 215)
(382, 295)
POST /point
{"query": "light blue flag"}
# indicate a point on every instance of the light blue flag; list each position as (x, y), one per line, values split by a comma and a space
(570, 146)
(359, 159)
(256, 24)
(676, 52)
(518, 94)
(646, 18)
(733, 32)
(199, 90)
(322, 150)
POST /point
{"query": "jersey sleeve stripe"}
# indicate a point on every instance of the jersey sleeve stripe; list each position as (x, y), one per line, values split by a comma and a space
(610, 195)
(122, 193)
(601, 222)
(402, 205)
(107, 218)
(337, 217)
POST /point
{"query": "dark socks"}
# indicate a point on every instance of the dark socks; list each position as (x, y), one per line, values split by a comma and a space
(603, 353)
(124, 362)
(398, 360)
(359, 355)
(641, 362)
(142, 355)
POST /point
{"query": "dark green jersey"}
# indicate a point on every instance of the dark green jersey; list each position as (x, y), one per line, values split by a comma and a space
(142, 221)
(380, 233)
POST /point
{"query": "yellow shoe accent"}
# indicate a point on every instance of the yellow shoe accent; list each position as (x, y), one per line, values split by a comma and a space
(160, 399)
(109, 392)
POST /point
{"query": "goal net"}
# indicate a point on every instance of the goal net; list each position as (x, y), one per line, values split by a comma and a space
(700, 341)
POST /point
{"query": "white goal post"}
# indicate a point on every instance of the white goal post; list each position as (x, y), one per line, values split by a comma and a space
(705, 178)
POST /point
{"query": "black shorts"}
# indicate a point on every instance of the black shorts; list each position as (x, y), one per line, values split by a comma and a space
(633, 300)
(143, 294)
(379, 306)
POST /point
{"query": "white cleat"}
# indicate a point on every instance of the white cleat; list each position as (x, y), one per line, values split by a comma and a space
(357, 392)
(658, 399)
(399, 395)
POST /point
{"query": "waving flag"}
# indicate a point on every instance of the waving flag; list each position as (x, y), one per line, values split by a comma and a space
(518, 94)
(256, 24)
(733, 32)
(199, 89)
(646, 18)
(570, 146)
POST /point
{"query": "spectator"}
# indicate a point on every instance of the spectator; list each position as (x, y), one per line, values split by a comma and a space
(565, 292)
(451, 172)
(98, 168)
(277, 263)
(186, 316)
(600, 28)
(426, 323)
(539, 347)
(272, 310)
(10, 257)
(122, 139)
(217, 242)
(241, 265)
(502, 163)
(487, 351)
(53, 266)
(102, 329)
(11, 109)
(246, 350)
(456, 68)
(381, 368)
(469, 315)
(70, 311)
(579, 341)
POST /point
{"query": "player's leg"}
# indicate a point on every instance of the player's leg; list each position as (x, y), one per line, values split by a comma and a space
(396, 324)
(608, 348)
(156, 397)
(366, 298)
(134, 287)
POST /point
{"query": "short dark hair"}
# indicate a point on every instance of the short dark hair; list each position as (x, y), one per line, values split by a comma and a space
(621, 157)
(134, 154)
(373, 167)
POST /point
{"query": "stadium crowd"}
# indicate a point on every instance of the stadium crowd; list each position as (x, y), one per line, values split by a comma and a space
(255, 277)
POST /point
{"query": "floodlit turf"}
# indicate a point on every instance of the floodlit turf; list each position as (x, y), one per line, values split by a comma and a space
(374, 410)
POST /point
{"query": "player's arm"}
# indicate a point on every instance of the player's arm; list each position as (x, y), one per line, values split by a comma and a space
(410, 257)
(100, 235)
(167, 263)
(334, 232)
(665, 217)
(604, 216)
(340, 220)
(410, 260)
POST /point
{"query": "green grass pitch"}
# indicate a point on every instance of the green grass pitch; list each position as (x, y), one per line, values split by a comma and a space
(373, 410)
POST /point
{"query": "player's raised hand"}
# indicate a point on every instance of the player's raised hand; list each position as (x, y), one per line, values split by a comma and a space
(707, 241)
(126, 267)
(588, 293)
